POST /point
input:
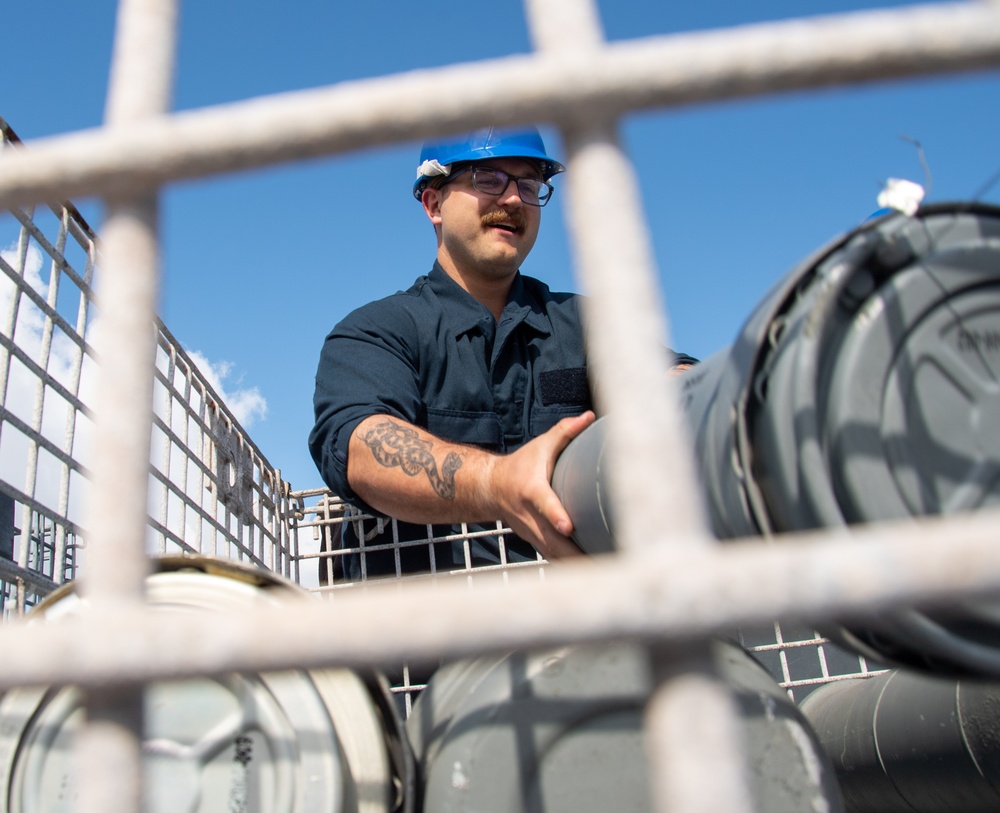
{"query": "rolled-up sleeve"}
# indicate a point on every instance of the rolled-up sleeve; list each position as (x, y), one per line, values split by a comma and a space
(368, 366)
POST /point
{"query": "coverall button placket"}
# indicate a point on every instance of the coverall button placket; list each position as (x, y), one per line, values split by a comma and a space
(509, 387)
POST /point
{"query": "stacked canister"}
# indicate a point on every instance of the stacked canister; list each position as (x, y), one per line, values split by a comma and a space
(865, 387)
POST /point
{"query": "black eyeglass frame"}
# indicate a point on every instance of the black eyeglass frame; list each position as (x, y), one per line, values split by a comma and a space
(532, 191)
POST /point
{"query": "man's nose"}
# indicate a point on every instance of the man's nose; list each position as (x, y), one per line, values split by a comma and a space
(511, 195)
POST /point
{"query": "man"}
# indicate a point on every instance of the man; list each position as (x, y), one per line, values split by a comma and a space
(451, 401)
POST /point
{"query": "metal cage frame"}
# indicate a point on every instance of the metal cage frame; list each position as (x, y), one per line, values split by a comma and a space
(671, 588)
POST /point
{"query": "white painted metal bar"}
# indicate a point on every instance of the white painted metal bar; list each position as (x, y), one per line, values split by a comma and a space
(693, 733)
(141, 73)
(564, 27)
(664, 595)
(671, 587)
(11, 322)
(656, 72)
(116, 517)
(651, 476)
(108, 748)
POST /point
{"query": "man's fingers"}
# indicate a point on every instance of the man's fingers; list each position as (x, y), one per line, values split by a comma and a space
(550, 543)
(552, 528)
(561, 548)
(575, 425)
(529, 505)
(569, 428)
(554, 515)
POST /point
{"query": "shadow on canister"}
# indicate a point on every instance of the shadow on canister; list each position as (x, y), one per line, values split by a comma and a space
(561, 731)
(865, 387)
(294, 741)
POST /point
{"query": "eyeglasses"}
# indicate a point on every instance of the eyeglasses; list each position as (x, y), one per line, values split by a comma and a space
(489, 181)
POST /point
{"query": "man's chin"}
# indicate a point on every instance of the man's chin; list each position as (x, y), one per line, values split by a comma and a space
(500, 267)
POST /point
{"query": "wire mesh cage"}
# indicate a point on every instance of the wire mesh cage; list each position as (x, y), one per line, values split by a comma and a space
(74, 500)
(210, 491)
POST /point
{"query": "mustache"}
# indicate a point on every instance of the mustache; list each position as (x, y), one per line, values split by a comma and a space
(498, 217)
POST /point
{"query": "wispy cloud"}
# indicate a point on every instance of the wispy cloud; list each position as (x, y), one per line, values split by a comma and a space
(246, 403)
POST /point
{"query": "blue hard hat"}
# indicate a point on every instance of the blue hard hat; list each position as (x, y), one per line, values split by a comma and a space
(879, 213)
(437, 157)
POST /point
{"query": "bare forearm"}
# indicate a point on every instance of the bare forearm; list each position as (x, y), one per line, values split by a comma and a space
(405, 472)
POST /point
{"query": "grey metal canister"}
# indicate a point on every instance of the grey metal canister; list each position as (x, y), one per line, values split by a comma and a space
(293, 741)
(863, 388)
(560, 731)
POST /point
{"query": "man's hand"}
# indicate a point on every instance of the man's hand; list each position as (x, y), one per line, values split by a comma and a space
(520, 485)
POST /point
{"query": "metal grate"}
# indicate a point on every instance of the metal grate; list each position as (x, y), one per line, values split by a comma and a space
(801, 659)
(653, 590)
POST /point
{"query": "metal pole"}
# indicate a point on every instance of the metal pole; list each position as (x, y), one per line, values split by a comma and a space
(651, 475)
(108, 750)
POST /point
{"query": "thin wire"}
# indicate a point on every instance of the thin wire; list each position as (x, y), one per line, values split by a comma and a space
(985, 188)
(928, 178)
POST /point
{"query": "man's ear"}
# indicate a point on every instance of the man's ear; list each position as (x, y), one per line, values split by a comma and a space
(431, 200)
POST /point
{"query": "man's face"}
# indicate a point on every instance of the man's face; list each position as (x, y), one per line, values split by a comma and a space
(486, 235)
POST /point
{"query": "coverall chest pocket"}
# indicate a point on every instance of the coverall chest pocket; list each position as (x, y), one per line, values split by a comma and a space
(481, 429)
(544, 418)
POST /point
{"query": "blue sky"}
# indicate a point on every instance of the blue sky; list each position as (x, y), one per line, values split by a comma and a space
(258, 267)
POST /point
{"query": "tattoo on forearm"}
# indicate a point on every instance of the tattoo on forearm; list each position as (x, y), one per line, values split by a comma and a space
(395, 445)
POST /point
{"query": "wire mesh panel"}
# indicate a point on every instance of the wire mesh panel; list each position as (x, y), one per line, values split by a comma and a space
(796, 656)
(210, 490)
(319, 552)
(47, 260)
(801, 659)
(320, 549)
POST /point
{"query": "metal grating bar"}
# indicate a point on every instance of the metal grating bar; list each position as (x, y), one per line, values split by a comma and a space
(657, 72)
(667, 595)
(613, 255)
(108, 748)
